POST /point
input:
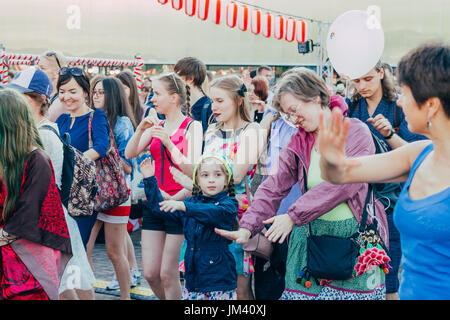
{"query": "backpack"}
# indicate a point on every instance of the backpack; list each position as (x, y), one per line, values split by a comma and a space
(269, 275)
(387, 193)
(78, 181)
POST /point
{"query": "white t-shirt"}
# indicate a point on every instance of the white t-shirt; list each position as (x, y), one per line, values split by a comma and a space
(54, 148)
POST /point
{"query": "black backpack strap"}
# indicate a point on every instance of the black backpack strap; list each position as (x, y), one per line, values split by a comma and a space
(187, 127)
(397, 118)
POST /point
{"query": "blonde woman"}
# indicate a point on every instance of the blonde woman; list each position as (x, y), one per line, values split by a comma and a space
(241, 141)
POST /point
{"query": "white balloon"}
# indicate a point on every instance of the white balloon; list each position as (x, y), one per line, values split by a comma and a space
(355, 43)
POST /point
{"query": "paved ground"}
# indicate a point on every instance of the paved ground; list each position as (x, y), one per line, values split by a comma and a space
(104, 271)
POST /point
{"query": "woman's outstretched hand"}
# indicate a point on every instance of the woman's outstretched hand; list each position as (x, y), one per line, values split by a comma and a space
(332, 137)
(241, 236)
(281, 226)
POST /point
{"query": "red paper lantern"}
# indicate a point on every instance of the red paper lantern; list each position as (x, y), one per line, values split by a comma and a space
(189, 7)
(266, 25)
(177, 4)
(279, 27)
(163, 1)
(203, 9)
(232, 9)
(243, 18)
(290, 29)
(216, 11)
(302, 31)
(256, 21)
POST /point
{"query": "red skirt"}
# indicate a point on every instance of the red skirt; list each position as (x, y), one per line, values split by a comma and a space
(16, 281)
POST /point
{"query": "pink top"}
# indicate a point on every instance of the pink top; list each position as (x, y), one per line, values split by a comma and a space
(162, 161)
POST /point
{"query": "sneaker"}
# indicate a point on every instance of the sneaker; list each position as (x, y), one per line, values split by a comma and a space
(135, 278)
(113, 284)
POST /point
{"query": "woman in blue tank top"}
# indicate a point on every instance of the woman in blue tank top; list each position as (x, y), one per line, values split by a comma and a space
(422, 213)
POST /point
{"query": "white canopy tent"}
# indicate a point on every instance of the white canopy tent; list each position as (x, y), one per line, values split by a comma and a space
(120, 29)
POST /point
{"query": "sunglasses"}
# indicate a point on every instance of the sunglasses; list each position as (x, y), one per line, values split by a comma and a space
(53, 53)
(73, 71)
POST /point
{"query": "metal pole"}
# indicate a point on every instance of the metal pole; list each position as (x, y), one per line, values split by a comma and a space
(3, 65)
(319, 52)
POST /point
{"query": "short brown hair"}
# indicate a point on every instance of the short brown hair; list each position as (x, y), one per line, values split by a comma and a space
(304, 84)
(263, 67)
(261, 88)
(426, 71)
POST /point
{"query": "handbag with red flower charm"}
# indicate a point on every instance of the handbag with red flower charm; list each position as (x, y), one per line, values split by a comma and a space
(332, 258)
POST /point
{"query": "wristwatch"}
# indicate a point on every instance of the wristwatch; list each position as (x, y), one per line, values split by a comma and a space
(390, 135)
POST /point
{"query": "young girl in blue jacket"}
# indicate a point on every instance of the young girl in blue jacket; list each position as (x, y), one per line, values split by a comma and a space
(209, 264)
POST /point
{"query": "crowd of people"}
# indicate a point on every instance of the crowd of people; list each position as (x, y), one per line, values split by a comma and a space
(248, 186)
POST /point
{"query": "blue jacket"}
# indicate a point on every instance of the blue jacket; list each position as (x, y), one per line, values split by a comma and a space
(209, 264)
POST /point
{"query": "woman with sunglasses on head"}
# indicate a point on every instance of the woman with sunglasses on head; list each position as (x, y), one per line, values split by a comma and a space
(175, 142)
(73, 89)
(51, 62)
(324, 208)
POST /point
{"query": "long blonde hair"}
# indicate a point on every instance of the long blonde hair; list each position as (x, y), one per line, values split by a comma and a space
(18, 136)
(234, 85)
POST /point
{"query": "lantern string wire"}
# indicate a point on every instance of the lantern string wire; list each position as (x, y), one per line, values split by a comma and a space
(281, 13)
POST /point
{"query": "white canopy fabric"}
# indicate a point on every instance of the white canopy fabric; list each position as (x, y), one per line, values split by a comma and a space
(122, 28)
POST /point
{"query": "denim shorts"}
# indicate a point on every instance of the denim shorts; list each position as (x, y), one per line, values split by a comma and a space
(152, 222)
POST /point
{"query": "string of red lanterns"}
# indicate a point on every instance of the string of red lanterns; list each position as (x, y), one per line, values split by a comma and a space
(245, 18)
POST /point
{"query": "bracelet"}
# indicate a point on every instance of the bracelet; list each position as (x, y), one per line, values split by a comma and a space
(390, 136)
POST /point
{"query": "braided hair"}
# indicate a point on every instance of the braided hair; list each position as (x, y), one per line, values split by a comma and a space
(188, 101)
